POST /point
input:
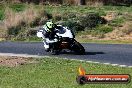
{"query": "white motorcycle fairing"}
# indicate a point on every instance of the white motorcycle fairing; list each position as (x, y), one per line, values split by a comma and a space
(62, 32)
(65, 32)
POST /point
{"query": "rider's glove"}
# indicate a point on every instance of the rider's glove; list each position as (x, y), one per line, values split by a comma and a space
(51, 41)
(55, 40)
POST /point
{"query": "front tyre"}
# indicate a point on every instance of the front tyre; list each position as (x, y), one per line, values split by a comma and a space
(78, 48)
(55, 52)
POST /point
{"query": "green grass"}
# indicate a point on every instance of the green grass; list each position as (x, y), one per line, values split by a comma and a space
(1, 15)
(17, 7)
(85, 40)
(117, 22)
(14, 7)
(27, 39)
(98, 31)
(102, 10)
(2, 39)
(69, 12)
(56, 73)
(1, 12)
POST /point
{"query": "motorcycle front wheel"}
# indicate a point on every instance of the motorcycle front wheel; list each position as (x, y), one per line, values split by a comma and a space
(78, 48)
(55, 52)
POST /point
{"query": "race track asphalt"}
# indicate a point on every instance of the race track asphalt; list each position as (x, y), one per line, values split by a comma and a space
(104, 53)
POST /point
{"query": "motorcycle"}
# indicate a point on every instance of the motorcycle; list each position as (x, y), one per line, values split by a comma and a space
(65, 40)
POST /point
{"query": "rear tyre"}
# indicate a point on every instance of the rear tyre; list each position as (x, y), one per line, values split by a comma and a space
(78, 48)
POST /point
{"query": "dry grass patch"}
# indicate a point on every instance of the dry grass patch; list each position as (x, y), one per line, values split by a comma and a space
(123, 32)
(111, 15)
(27, 16)
(95, 3)
(14, 22)
(14, 61)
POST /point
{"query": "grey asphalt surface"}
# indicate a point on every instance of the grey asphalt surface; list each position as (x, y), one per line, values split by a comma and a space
(105, 53)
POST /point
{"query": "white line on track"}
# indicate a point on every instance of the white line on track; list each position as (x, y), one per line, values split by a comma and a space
(130, 66)
(89, 61)
(114, 64)
(37, 56)
(107, 63)
(20, 55)
(122, 65)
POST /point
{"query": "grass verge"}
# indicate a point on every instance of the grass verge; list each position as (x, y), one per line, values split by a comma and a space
(56, 73)
(101, 41)
(19, 18)
(2, 39)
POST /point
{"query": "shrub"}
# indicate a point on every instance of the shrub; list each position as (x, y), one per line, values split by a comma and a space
(57, 17)
(104, 29)
(117, 22)
(1, 12)
(73, 25)
(1, 15)
(99, 31)
(76, 22)
(127, 27)
(27, 35)
(67, 16)
(91, 20)
(14, 30)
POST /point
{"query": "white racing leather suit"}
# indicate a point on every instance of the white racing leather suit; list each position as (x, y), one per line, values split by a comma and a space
(48, 37)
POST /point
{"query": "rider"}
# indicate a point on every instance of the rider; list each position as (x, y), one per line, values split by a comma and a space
(50, 30)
